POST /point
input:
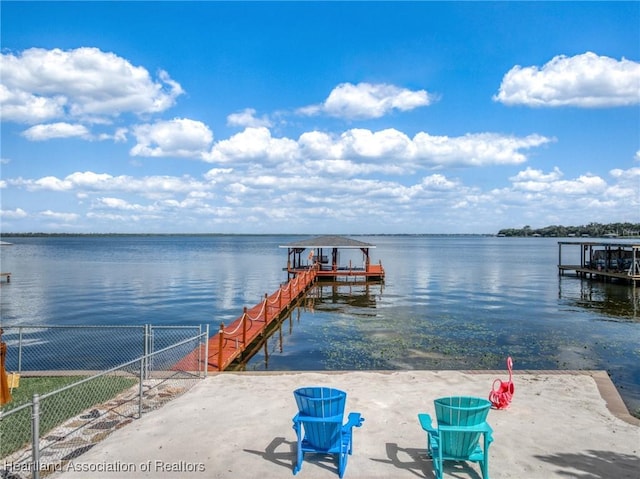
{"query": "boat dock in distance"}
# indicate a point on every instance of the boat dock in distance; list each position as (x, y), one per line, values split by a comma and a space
(601, 260)
(324, 255)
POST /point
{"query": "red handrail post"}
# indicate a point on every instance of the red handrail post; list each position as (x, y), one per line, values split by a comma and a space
(220, 334)
(244, 327)
(266, 309)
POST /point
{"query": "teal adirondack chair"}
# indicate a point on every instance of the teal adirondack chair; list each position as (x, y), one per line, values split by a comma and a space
(462, 420)
(319, 427)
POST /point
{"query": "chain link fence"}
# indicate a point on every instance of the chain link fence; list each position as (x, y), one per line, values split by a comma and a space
(58, 414)
(87, 348)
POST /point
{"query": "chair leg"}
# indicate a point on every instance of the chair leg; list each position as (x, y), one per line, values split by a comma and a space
(484, 466)
(298, 465)
(299, 452)
(438, 462)
(437, 468)
(342, 460)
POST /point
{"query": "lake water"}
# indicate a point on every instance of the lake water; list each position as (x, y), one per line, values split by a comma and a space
(448, 302)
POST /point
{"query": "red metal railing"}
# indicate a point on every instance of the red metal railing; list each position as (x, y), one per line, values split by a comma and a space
(232, 340)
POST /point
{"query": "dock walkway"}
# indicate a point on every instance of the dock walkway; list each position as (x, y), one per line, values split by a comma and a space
(232, 341)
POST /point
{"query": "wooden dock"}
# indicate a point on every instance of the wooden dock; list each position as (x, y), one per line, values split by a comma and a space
(238, 340)
(234, 341)
(604, 261)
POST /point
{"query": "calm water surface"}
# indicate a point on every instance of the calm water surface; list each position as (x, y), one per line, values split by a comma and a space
(450, 302)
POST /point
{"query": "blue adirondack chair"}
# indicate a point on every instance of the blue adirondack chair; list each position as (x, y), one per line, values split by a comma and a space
(319, 427)
(462, 420)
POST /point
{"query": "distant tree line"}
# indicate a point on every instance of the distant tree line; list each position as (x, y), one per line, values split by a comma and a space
(592, 229)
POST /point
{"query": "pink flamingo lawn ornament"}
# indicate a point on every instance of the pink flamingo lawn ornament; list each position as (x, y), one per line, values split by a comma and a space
(501, 397)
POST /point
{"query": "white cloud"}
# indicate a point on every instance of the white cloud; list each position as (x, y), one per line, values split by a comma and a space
(40, 85)
(247, 118)
(252, 144)
(51, 131)
(116, 204)
(215, 175)
(24, 107)
(50, 183)
(583, 185)
(119, 136)
(586, 80)
(366, 100)
(55, 130)
(627, 184)
(475, 149)
(637, 155)
(380, 145)
(57, 216)
(180, 137)
(632, 174)
(13, 214)
(320, 199)
(385, 150)
(88, 181)
(439, 182)
(535, 181)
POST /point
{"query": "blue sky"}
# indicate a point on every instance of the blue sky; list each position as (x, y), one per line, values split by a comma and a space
(329, 117)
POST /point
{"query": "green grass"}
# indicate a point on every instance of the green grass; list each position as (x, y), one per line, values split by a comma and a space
(40, 385)
(15, 430)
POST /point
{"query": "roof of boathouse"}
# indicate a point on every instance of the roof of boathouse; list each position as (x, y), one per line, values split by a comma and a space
(328, 241)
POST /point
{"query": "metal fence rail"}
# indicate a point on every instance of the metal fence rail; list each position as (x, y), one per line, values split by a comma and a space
(52, 429)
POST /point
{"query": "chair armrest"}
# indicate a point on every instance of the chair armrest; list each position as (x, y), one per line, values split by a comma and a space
(425, 422)
(353, 420)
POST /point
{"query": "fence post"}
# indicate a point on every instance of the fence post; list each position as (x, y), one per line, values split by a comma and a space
(220, 334)
(199, 348)
(20, 350)
(150, 348)
(145, 350)
(206, 350)
(143, 361)
(35, 436)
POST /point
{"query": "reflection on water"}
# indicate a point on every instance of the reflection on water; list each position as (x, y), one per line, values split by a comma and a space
(326, 294)
(447, 302)
(615, 301)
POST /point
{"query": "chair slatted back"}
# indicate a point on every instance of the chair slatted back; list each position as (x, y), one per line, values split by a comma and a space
(460, 411)
(322, 402)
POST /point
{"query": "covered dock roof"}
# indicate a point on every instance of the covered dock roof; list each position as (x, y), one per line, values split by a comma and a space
(329, 241)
